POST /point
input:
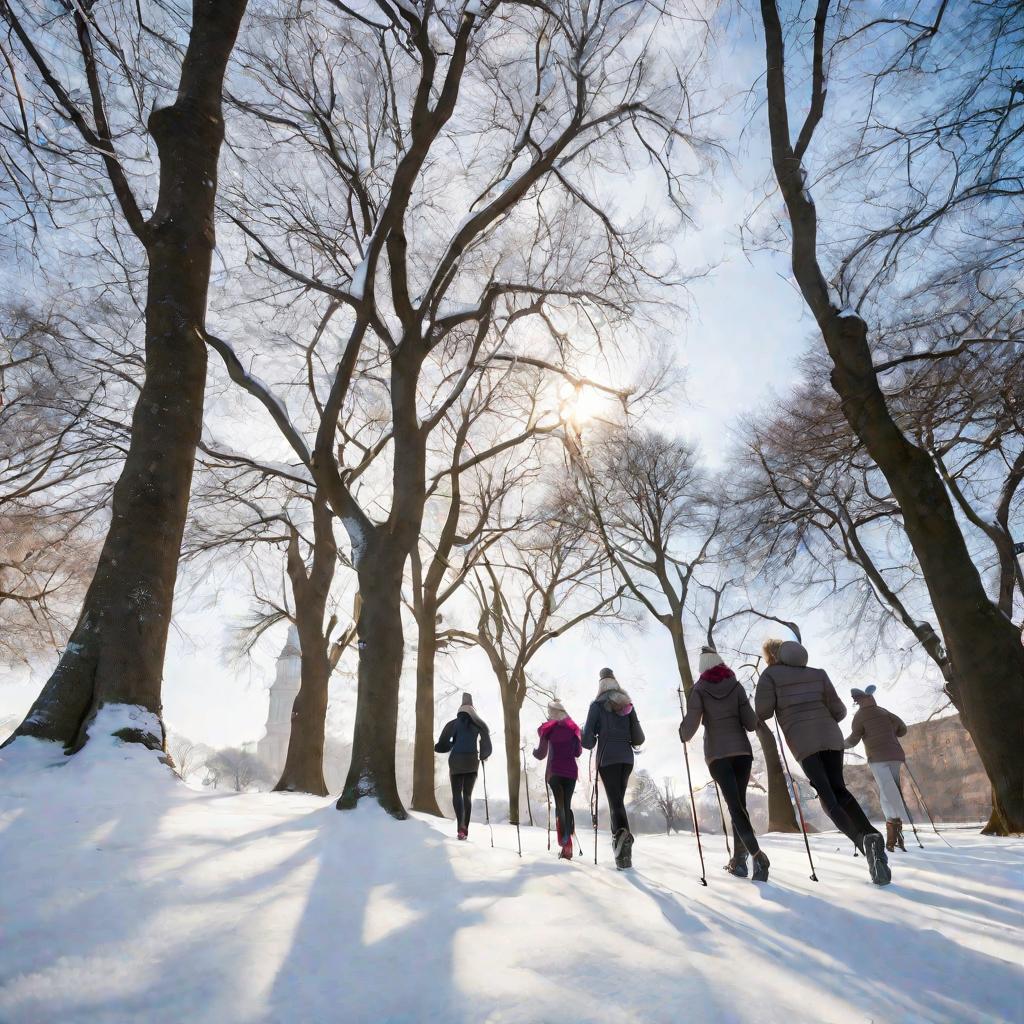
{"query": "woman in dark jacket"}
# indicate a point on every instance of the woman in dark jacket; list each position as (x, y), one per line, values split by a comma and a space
(613, 726)
(560, 744)
(459, 740)
(721, 703)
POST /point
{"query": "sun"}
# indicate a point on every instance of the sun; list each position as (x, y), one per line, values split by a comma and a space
(579, 404)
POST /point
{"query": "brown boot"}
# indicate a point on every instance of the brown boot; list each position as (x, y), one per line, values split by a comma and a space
(890, 835)
(898, 822)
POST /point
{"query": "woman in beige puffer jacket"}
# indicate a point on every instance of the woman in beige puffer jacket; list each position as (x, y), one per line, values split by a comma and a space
(809, 712)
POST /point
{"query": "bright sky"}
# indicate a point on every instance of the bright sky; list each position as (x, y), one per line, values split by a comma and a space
(741, 346)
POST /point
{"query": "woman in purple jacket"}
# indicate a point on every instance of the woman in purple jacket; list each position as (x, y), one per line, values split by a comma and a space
(560, 744)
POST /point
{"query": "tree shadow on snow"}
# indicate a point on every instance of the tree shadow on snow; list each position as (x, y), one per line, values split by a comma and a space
(891, 971)
(376, 939)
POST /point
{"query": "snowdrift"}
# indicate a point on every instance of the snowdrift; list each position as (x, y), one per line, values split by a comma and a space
(128, 897)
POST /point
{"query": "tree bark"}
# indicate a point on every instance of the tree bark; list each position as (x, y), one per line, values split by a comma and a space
(984, 646)
(424, 796)
(379, 553)
(304, 763)
(510, 715)
(781, 816)
(381, 640)
(116, 651)
(675, 628)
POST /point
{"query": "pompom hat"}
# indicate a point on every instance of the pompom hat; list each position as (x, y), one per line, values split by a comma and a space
(709, 658)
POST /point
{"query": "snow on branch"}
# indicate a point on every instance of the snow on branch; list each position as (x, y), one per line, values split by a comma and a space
(260, 391)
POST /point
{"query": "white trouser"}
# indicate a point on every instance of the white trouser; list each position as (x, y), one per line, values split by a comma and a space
(887, 777)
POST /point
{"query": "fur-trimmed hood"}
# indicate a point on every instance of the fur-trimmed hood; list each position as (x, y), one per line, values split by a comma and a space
(613, 696)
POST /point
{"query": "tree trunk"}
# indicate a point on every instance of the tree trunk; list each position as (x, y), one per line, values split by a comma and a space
(675, 628)
(781, 816)
(424, 796)
(116, 651)
(984, 646)
(997, 824)
(381, 640)
(379, 553)
(304, 763)
(510, 715)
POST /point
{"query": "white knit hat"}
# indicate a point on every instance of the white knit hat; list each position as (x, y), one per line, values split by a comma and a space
(709, 658)
(556, 710)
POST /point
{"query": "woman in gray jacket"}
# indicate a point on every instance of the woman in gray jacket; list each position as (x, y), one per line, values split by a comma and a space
(809, 711)
(721, 703)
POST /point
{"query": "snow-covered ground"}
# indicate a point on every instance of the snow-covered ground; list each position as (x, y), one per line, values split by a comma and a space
(128, 897)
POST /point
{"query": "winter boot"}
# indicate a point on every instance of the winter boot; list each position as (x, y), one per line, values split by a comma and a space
(899, 834)
(462, 833)
(890, 834)
(565, 853)
(761, 865)
(618, 843)
(627, 850)
(878, 862)
(738, 864)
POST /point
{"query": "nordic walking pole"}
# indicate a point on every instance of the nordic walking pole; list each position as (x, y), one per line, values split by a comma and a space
(696, 825)
(920, 800)
(796, 796)
(487, 806)
(693, 806)
(593, 801)
(526, 779)
(906, 807)
(721, 812)
(547, 793)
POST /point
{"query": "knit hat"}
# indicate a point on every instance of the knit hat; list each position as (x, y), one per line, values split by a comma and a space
(556, 710)
(467, 702)
(709, 658)
(606, 673)
(858, 694)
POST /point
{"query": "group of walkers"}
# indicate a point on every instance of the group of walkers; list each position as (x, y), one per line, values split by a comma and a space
(803, 701)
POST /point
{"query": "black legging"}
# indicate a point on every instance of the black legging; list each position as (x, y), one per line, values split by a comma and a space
(732, 775)
(615, 778)
(462, 797)
(824, 771)
(561, 793)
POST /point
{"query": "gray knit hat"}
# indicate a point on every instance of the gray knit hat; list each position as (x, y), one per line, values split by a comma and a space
(858, 694)
(606, 673)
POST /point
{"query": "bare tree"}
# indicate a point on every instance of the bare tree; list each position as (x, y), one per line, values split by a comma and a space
(447, 236)
(983, 645)
(549, 580)
(648, 795)
(237, 768)
(186, 756)
(492, 447)
(245, 508)
(62, 439)
(656, 512)
(116, 651)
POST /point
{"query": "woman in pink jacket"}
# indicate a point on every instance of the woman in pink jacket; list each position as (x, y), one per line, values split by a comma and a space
(560, 744)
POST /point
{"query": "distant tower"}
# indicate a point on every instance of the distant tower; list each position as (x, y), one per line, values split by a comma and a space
(272, 749)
